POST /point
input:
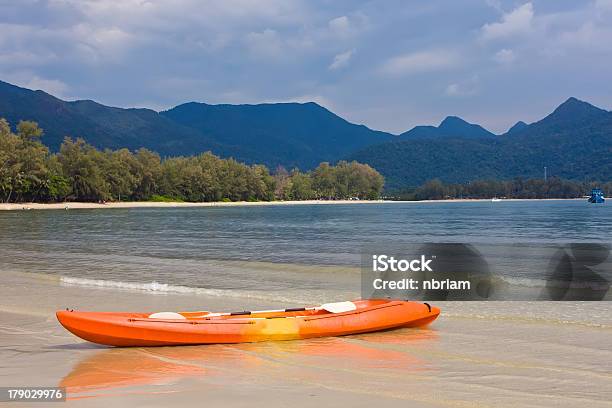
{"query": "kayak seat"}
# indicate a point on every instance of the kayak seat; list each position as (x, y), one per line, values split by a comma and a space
(339, 307)
(167, 315)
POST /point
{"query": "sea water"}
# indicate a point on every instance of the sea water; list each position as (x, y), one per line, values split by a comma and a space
(284, 253)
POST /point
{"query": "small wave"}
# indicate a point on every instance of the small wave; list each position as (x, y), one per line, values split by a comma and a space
(140, 286)
(541, 283)
(525, 282)
(155, 287)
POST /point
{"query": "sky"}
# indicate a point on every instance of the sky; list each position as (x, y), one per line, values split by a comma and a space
(387, 64)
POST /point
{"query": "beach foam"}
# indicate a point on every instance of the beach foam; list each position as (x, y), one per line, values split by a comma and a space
(155, 287)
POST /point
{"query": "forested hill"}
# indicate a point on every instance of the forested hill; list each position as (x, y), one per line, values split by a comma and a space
(451, 127)
(100, 125)
(288, 134)
(300, 134)
(573, 142)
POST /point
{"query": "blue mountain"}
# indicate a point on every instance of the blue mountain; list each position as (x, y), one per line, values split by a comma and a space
(517, 127)
(450, 127)
(289, 134)
(573, 142)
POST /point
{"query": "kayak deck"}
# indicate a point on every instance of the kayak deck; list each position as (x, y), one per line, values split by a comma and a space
(185, 328)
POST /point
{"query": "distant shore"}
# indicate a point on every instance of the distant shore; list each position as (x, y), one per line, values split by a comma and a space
(152, 204)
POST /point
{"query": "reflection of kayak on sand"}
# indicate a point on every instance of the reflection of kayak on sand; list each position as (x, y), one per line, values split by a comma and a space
(169, 328)
(128, 367)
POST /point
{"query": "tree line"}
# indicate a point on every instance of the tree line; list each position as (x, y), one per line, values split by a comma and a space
(29, 172)
(553, 187)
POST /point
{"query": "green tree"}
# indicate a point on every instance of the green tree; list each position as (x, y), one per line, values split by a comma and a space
(9, 160)
(149, 174)
(282, 182)
(301, 186)
(81, 172)
(23, 170)
(324, 181)
(122, 173)
(82, 164)
(432, 190)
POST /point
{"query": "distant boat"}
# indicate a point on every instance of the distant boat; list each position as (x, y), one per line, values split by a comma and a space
(495, 200)
(597, 196)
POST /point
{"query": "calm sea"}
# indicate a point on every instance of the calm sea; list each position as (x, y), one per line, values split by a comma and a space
(287, 253)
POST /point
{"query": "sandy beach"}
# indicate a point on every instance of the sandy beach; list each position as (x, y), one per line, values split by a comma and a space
(151, 204)
(496, 354)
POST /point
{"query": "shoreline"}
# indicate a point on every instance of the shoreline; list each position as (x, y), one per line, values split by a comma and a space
(153, 204)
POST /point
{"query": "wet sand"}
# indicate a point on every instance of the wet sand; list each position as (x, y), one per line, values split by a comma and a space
(494, 354)
(150, 204)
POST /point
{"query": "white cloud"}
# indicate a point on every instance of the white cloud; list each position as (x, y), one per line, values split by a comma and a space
(83, 41)
(52, 86)
(496, 4)
(169, 15)
(452, 89)
(266, 43)
(346, 27)
(101, 31)
(589, 36)
(417, 62)
(341, 60)
(340, 25)
(518, 21)
(504, 56)
(464, 88)
(104, 43)
(604, 5)
(25, 58)
(551, 35)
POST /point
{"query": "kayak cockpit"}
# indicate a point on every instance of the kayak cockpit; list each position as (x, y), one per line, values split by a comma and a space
(326, 308)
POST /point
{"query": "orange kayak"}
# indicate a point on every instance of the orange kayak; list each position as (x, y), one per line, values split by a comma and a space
(172, 329)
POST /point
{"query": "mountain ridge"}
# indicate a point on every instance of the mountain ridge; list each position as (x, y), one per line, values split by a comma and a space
(291, 134)
(450, 127)
(312, 128)
(517, 127)
(573, 141)
(113, 127)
